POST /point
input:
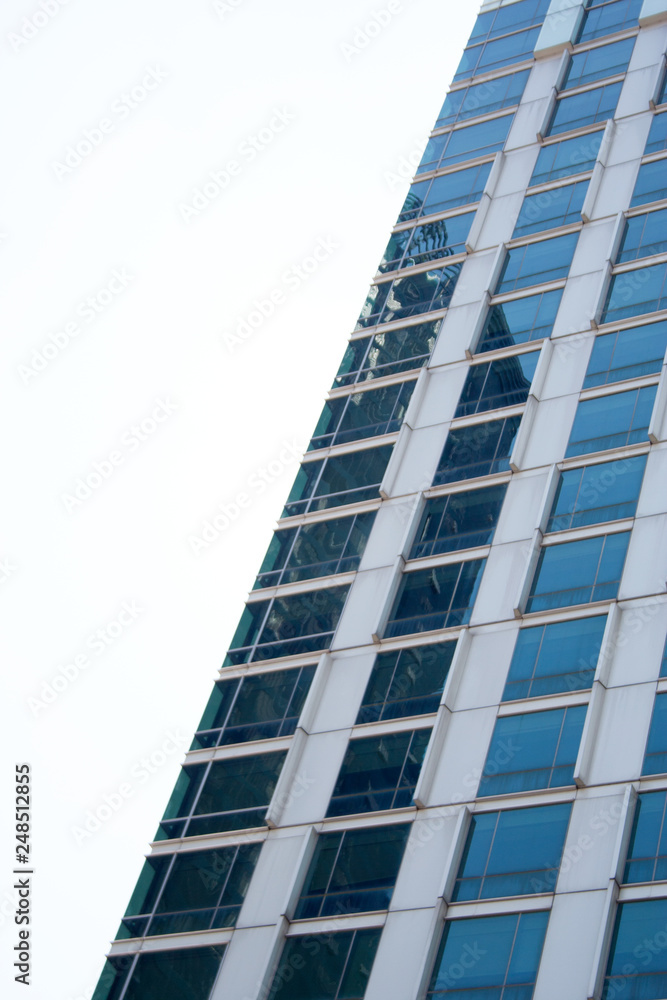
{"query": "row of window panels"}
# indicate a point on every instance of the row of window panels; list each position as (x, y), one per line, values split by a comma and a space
(494, 957)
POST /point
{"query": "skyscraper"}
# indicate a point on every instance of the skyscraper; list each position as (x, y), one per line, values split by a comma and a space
(435, 762)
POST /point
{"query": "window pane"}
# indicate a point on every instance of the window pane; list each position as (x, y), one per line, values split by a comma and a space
(505, 382)
(578, 572)
(553, 658)
(535, 750)
(606, 18)
(461, 187)
(636, 292)
(387, 353)
(520, 321)
(651, 183)
(458, 521)
(498, 951)
(479, 450)
(426, 291)
(361, 415)
(535, 263)
(514, 852)
(596, 64)
(597, 493)
(567, 157)
(335, 966)
(298, 623)
(352, 872)
(317, 549)
(482, 98)
(644, 235)
(550, 209)
(494, 54)
(465, 143)
(183, 974)
(585, 109)
(406, 682)
(630, 353)
(647, 852)
(429, 599)
(655, 760)
(611, 421)
(657, 137)
(338, 480)
(511, 17)
(428, 242)
(256, 707)
(379, 772)
(633, 948)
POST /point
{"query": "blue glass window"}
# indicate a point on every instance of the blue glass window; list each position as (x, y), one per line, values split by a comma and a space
(558, 657)
(514, 852)
(637, 968)
(489, 958)
(567, 157)
(352, 871)
(494, 54)
(287, 626)
(535, 263)
(663, 665)
(598, 63)
(505, 382)
(254, 707)
(379, 772)
(482, 98)
(508, 18)
(478, 450)
(412, 295)
(597, 493)
(651, 183)
(549, 209)
(605, 17)
(458, 521)
(441, 597)
(175, 974)
(335, 966)
(657, 137)
(586, 108)
(644, 235)
(535, 750)
(430, 241)
(630, 353)
(655, 759)
(190, 891)
(229, 794)
(406, 682)
(320, 548)
(465, 143)
(647, 852)
(578, 572)
(634, 293)
(439, 194)
(611, 421)
(519, 321)
(361, 415)
(338, 480)
(389, 352)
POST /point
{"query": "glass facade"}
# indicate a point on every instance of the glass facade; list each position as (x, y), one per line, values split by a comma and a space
(552, 658)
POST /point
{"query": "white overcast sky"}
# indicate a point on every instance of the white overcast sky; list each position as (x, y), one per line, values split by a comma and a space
(167, 291)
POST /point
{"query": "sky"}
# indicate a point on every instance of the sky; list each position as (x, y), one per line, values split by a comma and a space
(195, 200)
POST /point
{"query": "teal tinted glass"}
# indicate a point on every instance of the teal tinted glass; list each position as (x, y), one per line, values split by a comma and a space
(647, 851)
(428, 242)
(505, 382)
(406, 682)
(175, 974)
(578, 572)
(519, 321)
(637, 966)
(631, 353)
(441, 597)
(379, 772)
(458, 521)
(338, 480)
(567, 157)
(479, 450)
(332, 966)
(452, 190)
(597, 493)
(412, 295)
(361, 415)
(558, 657)
(387, 353)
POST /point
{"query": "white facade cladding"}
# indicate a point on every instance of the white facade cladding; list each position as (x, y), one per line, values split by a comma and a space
(435, 763)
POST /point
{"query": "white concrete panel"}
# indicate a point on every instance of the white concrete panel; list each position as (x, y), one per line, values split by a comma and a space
(503, 575)
(500, 220)
(441, 395)
(270, 886)
(650, 45)
(645, 570)
(420, 460)
(566, 965)
(424, 862)
(621, 738)
(652, 496)
(344, 692)
(630, 139)
(391, 523)
(486, 668)
(577, 306)
(569, 361)
(616, 189)
(543, 78)
(560, 27)
(588, 854)
(652, 9)
(244, 964)
(637, 91)
(400, 956)
(551, 431)
(527, 123)
(592, 249)
(362, 608)
(463, 756)
(457, 331)
(474, 279)
(522, 507)
(638, 643)
(517, 169)
(319, 769)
